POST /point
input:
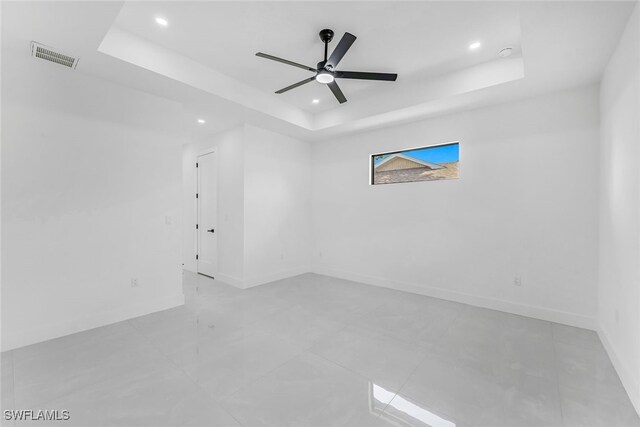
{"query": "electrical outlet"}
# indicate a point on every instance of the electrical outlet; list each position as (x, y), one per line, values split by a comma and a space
(517, 281)
(134, 282)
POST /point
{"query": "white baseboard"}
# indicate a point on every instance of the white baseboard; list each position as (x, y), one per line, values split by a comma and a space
(56, 330)
(259, 280)
(279, 275)
(225, 278)
(230, 280)
(630, 381)
(542, 313)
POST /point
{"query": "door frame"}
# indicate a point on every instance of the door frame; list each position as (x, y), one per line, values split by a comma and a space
(197, 207)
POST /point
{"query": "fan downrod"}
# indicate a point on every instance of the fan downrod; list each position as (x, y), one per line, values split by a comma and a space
(326, 36)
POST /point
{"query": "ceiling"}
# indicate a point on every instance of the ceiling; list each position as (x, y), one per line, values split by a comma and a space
(405, 38)
(205, 57)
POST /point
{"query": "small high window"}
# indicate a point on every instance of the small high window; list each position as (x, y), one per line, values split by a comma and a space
(433, 163)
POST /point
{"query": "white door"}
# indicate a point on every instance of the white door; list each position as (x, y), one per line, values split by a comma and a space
(207, 201)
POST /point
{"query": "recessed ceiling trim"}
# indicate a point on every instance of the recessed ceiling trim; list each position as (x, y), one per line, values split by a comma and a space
(130, 48)
(423, 96)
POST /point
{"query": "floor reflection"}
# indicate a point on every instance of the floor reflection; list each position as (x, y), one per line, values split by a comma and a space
(406, 412)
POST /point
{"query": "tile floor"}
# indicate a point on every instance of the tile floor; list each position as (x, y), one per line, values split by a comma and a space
(319, 351)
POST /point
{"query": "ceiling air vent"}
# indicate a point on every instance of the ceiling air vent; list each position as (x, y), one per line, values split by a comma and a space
(47, 53)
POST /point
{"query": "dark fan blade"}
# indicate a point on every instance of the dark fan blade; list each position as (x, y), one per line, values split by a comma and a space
(284, 61)
(337, 92)
(365, 76)
(343, 46)
(295, 85)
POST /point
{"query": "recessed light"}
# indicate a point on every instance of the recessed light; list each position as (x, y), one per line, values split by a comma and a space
(474, 45)
(162, 21)
(315, 101)
(202, 121)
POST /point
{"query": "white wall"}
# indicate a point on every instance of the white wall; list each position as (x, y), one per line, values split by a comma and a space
(229, 148)
(263, 201)
(277, 190)
(525, 205)
(619, 262)
(91, 198)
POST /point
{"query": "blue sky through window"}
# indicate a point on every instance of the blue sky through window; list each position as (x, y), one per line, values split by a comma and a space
(441, 154)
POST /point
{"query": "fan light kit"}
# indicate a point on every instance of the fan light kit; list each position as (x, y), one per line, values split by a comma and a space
(324, 77)
(325, 71)
(162, 21)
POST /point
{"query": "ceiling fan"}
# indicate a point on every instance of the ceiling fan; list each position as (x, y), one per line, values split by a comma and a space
(326, 70)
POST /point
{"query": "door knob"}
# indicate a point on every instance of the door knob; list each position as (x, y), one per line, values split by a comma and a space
(210, 231)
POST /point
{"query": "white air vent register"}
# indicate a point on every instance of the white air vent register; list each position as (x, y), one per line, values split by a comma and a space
(48, 54)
